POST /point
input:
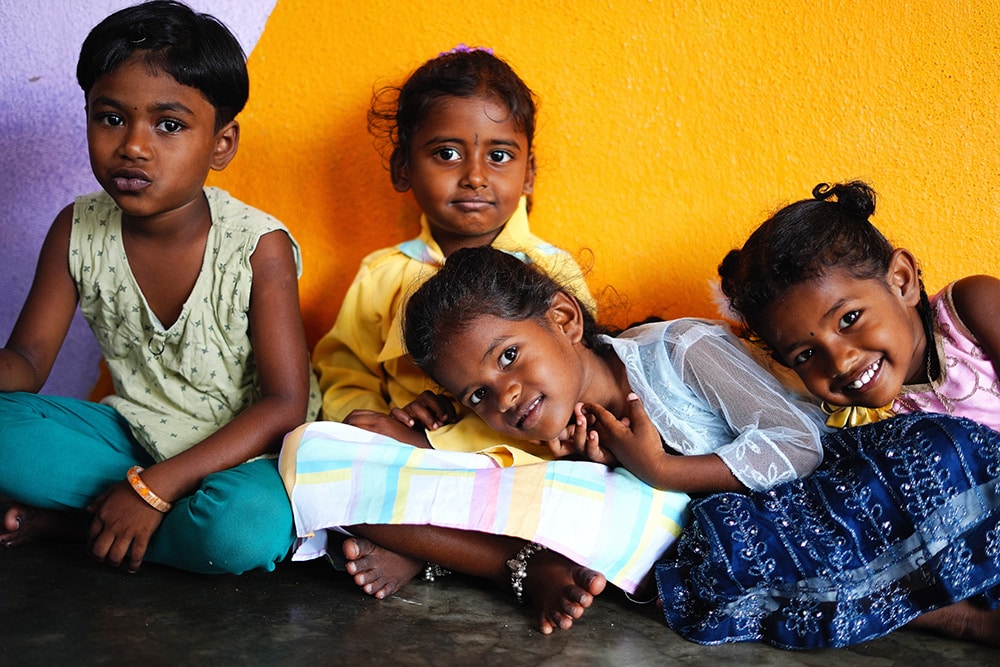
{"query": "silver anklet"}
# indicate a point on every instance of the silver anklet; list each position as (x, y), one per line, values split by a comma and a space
(518, 566)
(432, 571)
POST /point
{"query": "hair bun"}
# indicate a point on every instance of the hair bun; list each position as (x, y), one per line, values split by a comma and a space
(856, 198)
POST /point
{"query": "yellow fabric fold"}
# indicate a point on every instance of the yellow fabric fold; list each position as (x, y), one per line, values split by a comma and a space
(842, 416)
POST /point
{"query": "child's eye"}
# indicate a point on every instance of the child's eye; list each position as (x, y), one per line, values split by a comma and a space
(170, 126)
(802, 357)
(110, 119)
(476, 397)
(849, 319)
(448, 154)
(508, 356)
(500, 156)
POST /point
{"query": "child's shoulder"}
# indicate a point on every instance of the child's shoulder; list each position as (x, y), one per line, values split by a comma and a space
(233, 214)
(93, 205)
(976, 303)
(394, 261)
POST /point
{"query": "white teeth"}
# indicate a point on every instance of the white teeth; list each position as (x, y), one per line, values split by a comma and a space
(866, 376)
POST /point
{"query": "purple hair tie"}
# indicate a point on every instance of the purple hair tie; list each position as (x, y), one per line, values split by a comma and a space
(463, 48)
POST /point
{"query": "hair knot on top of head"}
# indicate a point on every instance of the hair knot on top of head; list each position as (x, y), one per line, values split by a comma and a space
(856, 198)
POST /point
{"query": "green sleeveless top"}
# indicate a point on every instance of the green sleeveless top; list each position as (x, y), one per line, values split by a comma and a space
(175, 386)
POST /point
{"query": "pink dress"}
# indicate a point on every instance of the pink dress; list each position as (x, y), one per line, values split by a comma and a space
(968, 385)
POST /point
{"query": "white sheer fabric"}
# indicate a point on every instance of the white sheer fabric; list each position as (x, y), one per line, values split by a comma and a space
(707, 394)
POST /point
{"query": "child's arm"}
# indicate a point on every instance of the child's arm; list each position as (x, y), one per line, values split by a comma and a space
(41, 327)
(772, 439)
(776, 438)
(977, 300)
(122, 519)
(635, 443)
(350, 373)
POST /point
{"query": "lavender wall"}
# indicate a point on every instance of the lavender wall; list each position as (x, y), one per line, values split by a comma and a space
(43, 150)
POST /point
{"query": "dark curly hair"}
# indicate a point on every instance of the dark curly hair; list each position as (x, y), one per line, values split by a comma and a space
(474, 282)
(195, 49)
(802, 241)
(397, 111)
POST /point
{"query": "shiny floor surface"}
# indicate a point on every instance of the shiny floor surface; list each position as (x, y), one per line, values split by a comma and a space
(59, 607)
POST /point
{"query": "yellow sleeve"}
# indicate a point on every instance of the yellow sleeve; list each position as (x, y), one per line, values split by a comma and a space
(350, 375)
(472, 434)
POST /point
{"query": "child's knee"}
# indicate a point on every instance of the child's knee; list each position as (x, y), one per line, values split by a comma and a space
(239, 520)
(244, 533)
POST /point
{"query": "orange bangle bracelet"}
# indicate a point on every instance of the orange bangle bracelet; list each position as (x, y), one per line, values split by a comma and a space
(145, 492)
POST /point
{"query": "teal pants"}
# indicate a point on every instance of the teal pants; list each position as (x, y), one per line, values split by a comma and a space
(61, 453)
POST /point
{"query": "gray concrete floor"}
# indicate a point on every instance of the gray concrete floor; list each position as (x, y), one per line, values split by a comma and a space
(59, 607)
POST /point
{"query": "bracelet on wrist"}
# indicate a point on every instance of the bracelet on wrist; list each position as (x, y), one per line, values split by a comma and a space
(145, 492)
(518, 566)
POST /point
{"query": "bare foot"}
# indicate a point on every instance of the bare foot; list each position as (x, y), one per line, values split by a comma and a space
(962, 620)
(560, 589)
(22, 524)
(378, 571)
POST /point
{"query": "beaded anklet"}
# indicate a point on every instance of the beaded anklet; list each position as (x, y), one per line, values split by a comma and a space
(518, 566)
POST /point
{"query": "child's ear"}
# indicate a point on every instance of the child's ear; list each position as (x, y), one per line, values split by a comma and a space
(227, 141)
(564, 312)
(529, 176)
(904, 276)
(399, 170)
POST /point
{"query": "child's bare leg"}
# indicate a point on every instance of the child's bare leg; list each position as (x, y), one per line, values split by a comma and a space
(21, 524)
(560, 590)
(962, 620)
(378, 571)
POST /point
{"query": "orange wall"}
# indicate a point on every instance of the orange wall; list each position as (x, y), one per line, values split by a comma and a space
(667, 129)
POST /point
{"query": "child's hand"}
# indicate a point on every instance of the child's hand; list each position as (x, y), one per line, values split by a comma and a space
(428, 410)
(632, 440)
(122, 525)
(378, 422)
(578, 441)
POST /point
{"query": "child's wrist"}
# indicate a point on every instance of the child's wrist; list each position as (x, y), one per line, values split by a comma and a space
(145, 492)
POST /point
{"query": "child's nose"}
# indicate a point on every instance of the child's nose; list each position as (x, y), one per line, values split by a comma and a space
(475, 174)
(843, 359)
(135, 143)
(508, 398)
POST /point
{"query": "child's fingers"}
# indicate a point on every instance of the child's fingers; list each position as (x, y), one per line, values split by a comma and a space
(138, 552)
(605, 420)
(637, 419)
(402, 416)
(560, 448)
(439, 405)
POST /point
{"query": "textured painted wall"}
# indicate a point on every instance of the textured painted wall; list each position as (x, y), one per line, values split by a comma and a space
(667, 129)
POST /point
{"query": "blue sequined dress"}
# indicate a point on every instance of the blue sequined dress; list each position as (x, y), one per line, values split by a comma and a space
(902, 517)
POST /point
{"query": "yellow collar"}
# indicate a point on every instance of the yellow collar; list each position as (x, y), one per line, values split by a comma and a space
(840, 416)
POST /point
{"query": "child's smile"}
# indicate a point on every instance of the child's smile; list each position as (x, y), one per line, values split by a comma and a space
(852, 341)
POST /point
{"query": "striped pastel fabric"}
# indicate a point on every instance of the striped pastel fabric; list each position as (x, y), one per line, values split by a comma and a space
(337, 475)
